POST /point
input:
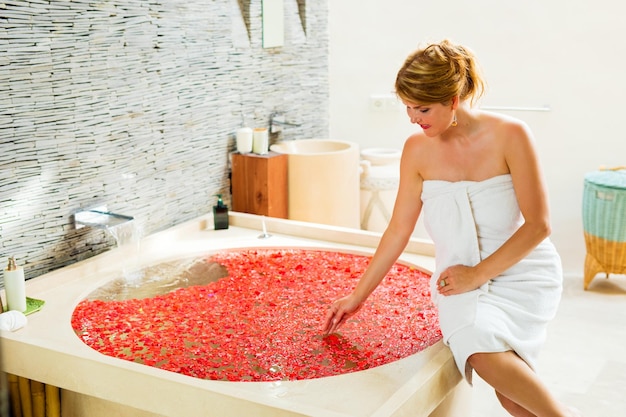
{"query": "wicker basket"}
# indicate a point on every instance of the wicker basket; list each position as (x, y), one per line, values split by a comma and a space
(604, 223)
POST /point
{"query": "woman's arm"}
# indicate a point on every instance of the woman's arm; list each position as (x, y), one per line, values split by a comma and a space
(406, 210)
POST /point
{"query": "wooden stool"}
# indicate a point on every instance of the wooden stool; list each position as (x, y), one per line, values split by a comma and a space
(604, 223)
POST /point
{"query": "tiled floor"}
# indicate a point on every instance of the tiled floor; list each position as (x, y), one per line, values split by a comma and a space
(584, 359)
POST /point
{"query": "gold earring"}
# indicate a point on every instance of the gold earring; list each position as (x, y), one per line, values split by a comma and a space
(454, 123)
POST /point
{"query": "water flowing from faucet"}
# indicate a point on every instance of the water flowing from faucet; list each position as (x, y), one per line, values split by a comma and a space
(127, 237)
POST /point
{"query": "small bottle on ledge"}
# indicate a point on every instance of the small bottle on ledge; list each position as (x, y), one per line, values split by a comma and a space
(14, 286)
(220, 214)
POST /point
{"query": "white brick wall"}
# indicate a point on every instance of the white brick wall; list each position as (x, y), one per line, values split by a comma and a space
(134, 103)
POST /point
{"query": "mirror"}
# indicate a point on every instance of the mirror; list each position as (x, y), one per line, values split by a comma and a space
(273, 23)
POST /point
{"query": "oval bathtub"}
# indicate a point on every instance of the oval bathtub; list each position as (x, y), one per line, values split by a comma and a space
(255, 314)
(423, 384)
(323, 181)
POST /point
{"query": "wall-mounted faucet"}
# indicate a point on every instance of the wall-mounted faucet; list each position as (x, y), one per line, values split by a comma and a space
(99, 217)
(277, 121)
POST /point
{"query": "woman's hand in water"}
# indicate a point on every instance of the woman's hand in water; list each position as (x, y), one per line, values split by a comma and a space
(340, 311)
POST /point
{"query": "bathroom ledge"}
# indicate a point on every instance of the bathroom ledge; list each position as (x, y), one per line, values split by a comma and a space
(47, 350)
(328, 233)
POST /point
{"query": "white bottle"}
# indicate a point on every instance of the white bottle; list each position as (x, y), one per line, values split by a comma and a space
(15, 286)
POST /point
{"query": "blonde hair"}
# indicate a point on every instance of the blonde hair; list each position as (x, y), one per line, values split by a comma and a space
(438, 72)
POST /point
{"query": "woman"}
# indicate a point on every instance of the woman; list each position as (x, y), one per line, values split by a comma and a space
(476, 175)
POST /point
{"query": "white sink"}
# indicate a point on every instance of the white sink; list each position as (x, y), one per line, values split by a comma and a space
(313, 146)
(323, 181)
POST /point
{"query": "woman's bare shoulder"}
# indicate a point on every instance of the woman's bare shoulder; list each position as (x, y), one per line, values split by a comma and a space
(515, 140)
(505, 125)
(415, 148)
(416, 142)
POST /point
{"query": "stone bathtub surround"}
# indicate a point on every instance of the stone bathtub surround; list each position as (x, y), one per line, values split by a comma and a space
(135, 104)
(427, 383)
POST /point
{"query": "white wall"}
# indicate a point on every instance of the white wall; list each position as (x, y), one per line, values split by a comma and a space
(565, 55)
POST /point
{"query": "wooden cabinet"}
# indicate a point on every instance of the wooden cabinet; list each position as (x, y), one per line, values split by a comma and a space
(259, 184)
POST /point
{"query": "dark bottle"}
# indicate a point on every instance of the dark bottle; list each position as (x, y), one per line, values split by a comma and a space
(220, 214)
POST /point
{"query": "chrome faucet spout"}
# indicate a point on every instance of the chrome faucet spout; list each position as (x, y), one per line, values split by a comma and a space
(277, 121)
(99, 217)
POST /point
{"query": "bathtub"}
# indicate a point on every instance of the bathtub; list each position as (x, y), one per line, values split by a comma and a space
(95, 385)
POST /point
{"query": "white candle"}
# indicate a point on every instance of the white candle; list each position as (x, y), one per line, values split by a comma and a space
(15, 287)
(244, 140)
(260, 141)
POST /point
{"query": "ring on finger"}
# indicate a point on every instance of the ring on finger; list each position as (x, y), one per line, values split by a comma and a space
(443, 283)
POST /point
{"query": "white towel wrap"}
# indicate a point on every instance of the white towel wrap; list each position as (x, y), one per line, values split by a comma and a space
(469, 220)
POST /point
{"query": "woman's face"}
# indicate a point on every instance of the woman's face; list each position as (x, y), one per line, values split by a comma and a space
(432, 118)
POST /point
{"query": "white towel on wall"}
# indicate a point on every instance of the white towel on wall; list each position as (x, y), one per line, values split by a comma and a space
(469, 220)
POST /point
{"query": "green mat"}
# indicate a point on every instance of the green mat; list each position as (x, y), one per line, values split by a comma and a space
(32, 305)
